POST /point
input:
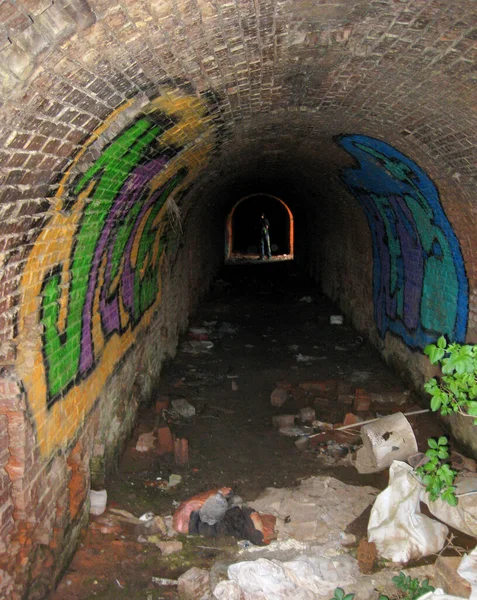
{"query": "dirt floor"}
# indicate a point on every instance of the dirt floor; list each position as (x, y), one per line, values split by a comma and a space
(261, 330)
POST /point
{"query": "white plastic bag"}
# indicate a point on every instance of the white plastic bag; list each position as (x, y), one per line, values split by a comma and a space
(396, 526)
(463, 516)
(304, 578)
(468, 571)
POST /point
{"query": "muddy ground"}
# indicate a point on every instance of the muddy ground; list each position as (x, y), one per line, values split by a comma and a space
(258, 326)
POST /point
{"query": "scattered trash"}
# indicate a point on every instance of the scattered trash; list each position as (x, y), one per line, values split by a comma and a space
(462, 517)
(183, 408)
(439, 594)
(150, 525)
(468, 571)
(181, 517)
(213, 509)
(336, 319)
(385, 440)
(307, 415)
(235, 386)
(322, 425)
(303, 358)
(295, 431)
(280, 421)
(307, 299)
(278, 397)
(302, 443)
(305, 578)
(397, 527)
(163, 581)
(194, 584)
(199, 334)
(319, 509)
(169, 547)
(217, 512)
(146, 441)
(197, 346)
(98, 500)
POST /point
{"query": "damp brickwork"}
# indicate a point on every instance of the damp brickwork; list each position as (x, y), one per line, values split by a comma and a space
(128, 131)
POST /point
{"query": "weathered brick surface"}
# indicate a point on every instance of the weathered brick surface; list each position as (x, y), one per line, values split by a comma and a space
(237, 97)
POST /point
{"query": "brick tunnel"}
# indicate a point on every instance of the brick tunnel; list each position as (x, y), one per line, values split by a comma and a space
(129, 132)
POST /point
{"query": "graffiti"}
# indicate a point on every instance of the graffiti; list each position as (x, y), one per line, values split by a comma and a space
(92, 280)
(419, 280)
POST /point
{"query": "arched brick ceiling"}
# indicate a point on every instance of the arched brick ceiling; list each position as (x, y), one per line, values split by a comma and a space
(276, 81)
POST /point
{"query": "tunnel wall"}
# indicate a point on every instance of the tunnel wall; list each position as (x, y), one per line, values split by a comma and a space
(106, 286)
(399, 261)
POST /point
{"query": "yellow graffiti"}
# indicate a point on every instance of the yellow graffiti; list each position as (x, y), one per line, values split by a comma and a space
(57, 424)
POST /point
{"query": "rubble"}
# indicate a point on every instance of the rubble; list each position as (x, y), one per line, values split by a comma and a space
(278, 397)
(183, 408)
(193, 584)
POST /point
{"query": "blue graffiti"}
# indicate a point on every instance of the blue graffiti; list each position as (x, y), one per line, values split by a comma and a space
(420, 287)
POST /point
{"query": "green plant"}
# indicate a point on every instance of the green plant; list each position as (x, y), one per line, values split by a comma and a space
(456, 391)
(413, 588)
(340, 594)
(438, 477)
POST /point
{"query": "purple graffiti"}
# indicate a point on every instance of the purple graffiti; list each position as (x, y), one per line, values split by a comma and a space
(133, 191)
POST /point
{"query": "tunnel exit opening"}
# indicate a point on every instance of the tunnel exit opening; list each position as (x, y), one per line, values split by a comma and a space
(242, 236)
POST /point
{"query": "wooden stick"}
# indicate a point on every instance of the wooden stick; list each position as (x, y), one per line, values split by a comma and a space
(360, 423)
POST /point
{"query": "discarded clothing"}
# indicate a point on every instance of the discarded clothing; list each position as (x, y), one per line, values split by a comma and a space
(243, 523)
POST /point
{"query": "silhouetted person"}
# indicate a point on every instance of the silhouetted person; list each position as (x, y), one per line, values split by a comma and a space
(264, 237)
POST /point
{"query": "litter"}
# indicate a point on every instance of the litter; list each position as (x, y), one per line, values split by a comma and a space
(462, 517)
(240, 522)
(213, 509)
(197, 346)
(439, 594)
(98, 500)
(183, 408)
(295, 431)
(318, 510)
(305, 578)
(336, 319)
(402, 533)
(198, 333)
(385, 440)
(304, 358)
(163, 581)
(468, 571)
(307, 299)
(146, 441)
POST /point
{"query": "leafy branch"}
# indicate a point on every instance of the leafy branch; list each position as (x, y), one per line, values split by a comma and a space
(437, 476)
(456, 390)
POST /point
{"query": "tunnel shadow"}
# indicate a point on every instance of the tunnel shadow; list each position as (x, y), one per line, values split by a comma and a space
(242, 236)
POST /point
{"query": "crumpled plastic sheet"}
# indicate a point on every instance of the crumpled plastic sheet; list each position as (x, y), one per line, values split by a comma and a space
(463, 516)
(396, 526)
(468, 571)
(304, 578)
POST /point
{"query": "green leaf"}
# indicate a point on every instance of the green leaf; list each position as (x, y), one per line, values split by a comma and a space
(436, 403)
(432, 443)
(441, 342)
